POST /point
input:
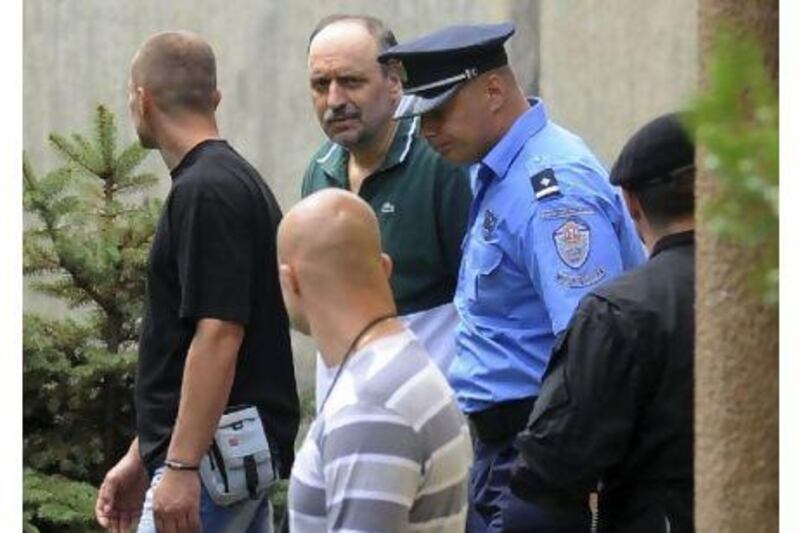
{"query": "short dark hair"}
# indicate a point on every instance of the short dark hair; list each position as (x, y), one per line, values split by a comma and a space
(180, 69)
(375, 26)
(667, 200)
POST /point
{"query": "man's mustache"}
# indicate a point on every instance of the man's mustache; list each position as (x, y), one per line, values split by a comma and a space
(341, 113)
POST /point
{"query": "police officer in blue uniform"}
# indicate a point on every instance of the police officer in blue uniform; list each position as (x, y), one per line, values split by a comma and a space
(616, 404)
(545, 227)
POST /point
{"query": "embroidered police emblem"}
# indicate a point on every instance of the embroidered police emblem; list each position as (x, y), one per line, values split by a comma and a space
(489, 223)
(573, 242)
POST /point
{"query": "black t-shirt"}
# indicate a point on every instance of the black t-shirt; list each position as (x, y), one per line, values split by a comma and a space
(214, 256)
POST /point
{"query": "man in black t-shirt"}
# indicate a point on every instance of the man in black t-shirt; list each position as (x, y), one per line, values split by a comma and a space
(215, 331)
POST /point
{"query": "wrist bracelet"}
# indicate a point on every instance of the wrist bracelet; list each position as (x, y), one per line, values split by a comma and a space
(177, 465)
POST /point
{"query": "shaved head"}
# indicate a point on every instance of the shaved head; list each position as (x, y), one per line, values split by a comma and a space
(332, 234)
(179, 70)
(329, 249)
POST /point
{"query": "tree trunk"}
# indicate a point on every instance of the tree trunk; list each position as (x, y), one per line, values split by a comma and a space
(736, 372)
(112, 332)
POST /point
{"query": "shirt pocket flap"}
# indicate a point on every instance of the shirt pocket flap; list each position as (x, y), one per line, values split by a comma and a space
(488, 258)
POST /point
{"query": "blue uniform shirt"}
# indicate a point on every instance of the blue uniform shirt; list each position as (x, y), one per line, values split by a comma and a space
(545, 227)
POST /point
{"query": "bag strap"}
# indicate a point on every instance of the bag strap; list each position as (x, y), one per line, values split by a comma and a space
(217, 456)
(251, 476)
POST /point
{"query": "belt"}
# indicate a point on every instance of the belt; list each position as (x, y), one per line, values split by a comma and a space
(503, 420)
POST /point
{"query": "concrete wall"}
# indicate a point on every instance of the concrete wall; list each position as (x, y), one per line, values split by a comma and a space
(609, 66)
(77, 53)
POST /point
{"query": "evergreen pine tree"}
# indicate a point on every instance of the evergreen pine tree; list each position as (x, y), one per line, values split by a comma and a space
(88, 247)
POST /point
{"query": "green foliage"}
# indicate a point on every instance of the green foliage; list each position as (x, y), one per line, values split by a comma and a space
(62, 504)
(736, 120)
(87, 246)
(308, 405)
(71, 381)
(278, 493)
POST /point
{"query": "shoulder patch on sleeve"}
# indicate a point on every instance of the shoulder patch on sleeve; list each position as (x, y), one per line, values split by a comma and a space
(573, 241)
(545, 184)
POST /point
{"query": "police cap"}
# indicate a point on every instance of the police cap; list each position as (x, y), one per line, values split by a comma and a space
(436, 64)
(659, 151)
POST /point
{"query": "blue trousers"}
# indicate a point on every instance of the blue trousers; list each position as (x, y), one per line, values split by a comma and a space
(494, 508)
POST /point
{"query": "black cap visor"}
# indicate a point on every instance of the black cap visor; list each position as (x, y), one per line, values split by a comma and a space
(417, 104)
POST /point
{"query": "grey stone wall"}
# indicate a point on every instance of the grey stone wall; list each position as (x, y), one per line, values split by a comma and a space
(77, 53)
(608, 66)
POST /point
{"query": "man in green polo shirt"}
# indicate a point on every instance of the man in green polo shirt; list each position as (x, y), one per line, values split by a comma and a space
(421, 201)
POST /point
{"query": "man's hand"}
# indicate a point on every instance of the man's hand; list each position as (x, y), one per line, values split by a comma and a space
(121, 496)
(207, 379)
(176, 502)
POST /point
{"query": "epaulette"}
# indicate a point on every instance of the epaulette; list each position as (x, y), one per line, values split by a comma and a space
(545, 184)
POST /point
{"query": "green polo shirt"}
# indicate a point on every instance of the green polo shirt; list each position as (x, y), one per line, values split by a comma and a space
(421, 202)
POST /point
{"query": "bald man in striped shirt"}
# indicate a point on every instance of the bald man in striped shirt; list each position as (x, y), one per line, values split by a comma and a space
(390, 450)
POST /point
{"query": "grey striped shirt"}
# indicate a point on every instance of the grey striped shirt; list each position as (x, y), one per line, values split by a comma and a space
(390, 451)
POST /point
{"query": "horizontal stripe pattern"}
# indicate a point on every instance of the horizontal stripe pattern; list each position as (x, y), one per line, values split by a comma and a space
(370, 438)
(392, 452)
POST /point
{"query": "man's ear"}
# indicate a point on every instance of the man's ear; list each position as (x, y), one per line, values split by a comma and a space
(395, 75)
(142, 101)
(146, 102)
(495, 91)
(216, 98)
(288, 279)
(633, 204)
(387, 265)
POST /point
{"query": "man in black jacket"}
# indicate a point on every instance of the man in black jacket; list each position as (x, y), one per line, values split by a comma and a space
(616, 405)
